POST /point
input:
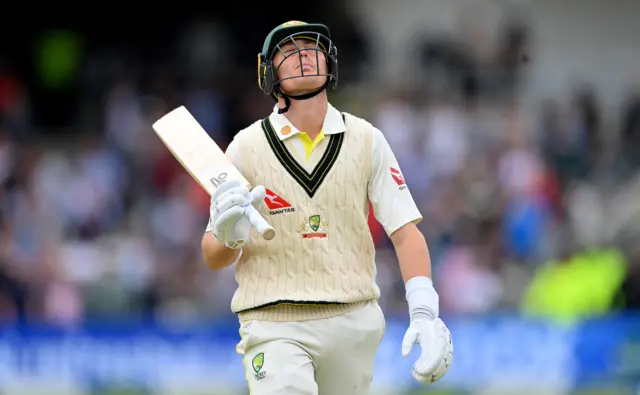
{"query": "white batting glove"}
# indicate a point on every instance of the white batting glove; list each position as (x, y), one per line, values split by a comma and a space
(427, 330)
(230, 226)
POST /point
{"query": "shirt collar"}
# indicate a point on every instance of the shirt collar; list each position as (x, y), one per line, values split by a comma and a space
(333, 123)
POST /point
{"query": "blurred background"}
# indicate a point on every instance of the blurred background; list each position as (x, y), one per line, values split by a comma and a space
(516, 124)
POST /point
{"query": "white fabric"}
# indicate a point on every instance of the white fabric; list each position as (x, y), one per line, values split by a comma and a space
(422, 296)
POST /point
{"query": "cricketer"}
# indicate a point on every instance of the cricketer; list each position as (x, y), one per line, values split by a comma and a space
(310, 323)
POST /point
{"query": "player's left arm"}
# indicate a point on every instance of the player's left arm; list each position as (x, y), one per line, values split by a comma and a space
(395, 209)
(398, 214)
(412, 251)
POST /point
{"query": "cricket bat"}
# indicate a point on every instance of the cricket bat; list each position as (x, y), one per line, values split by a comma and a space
(201, 157)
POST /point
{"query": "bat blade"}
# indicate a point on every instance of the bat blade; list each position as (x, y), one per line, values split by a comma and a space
(202, 158)
(195, 150)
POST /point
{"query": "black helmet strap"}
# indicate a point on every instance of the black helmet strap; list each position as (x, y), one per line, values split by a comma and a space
(304, 96)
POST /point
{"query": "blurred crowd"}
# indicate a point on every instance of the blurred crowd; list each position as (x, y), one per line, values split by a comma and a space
(526, 209)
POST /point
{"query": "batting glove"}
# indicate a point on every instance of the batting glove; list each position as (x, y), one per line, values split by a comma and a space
(427, 330)
(230, 226)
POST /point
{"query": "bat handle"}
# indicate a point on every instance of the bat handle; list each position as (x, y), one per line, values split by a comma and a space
(261, 224)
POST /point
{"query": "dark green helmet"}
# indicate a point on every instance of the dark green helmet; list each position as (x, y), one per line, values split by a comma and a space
(267, 71)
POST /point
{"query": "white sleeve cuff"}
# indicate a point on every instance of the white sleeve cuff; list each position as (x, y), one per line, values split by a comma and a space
(422, 297)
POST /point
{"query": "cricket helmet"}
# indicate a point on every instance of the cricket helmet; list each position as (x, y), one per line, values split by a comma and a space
(295, 30)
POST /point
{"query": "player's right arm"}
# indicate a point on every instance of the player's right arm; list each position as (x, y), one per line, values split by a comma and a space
(215, 254)
(396, 210)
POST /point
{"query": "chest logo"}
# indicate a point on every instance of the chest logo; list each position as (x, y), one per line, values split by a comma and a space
(276, 204)
(314, 227)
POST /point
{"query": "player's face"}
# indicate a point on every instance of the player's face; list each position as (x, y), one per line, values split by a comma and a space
(288, 64)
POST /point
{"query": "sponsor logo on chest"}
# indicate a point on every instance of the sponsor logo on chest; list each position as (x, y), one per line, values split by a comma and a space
(276, 204)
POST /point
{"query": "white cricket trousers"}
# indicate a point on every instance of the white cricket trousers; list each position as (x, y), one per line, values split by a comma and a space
(331, 356)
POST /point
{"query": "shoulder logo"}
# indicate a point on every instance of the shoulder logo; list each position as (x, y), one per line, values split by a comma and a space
(398, 178)
(276, 204)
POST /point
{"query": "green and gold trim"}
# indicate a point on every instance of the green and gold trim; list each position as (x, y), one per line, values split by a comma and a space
(310, 182)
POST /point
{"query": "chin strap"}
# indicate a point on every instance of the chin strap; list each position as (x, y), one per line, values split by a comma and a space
(304, 96)
(287, 104)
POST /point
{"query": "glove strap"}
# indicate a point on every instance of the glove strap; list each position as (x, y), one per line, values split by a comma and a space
(422, 298)
(234, 245)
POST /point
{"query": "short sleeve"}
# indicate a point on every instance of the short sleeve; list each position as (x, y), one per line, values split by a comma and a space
(389, 194)
(233, 153)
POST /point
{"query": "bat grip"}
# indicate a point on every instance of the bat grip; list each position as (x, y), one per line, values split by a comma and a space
(258, 221)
